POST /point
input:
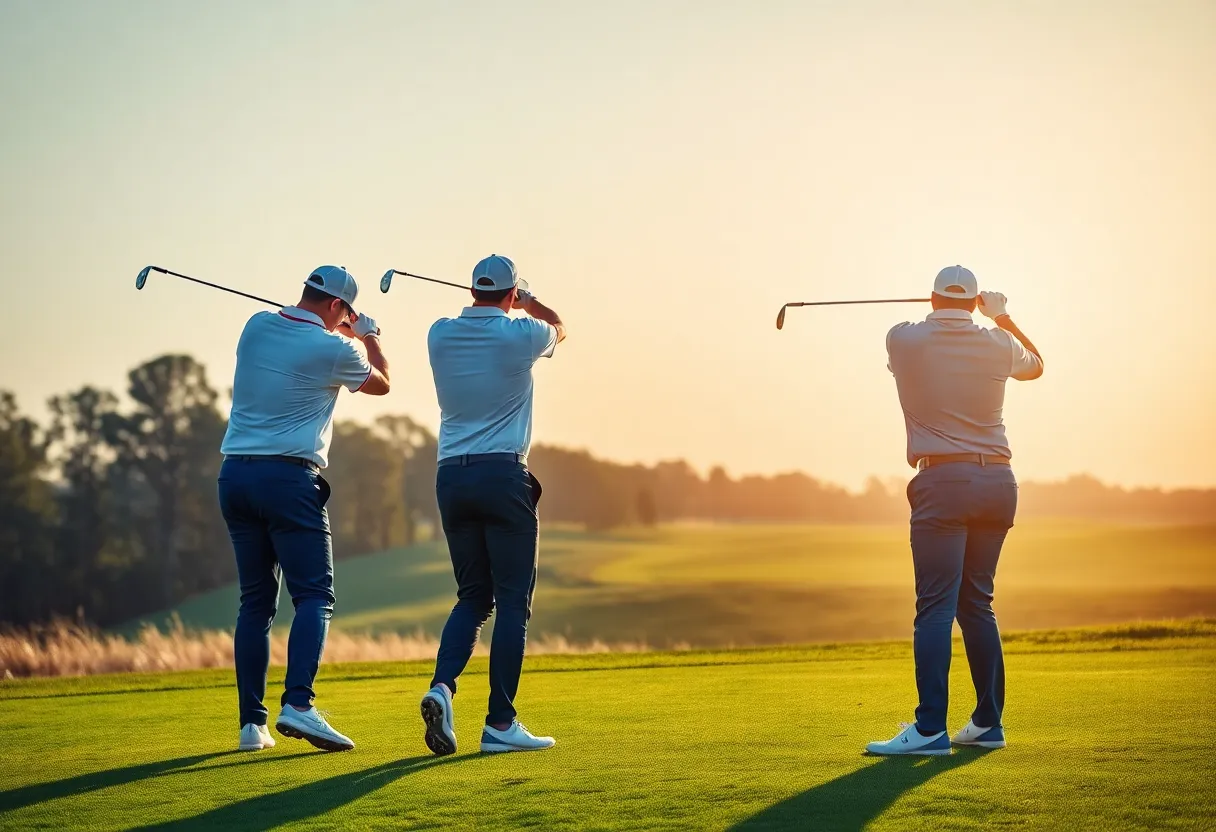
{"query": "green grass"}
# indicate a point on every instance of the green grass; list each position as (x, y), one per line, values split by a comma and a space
(1109, 729)
(770, 584)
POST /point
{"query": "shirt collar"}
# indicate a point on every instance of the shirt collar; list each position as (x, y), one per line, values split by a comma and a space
(295, 313)
(482, 312)
(949, 315)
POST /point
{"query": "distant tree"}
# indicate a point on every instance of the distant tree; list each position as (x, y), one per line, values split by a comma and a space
(27, 517)
(83, 457)
(365, 475)
(170, 442)
(648, 511)
(417, 448)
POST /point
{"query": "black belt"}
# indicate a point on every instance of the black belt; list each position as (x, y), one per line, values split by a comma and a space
(294, 460)
(469, 459)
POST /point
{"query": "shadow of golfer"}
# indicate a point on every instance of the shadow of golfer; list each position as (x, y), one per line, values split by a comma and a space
(94, 781)
(316, 797)
(853, 800)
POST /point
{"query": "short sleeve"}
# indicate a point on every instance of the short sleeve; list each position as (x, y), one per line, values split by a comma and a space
(1025, 365)
(542, 338)
(890, 334)
(351, 367)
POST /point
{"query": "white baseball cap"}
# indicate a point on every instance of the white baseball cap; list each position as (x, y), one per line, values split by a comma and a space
(956, 282)
(495, 273)
(335, 281)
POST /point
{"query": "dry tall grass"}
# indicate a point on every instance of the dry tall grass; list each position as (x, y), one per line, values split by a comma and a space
(67, 649)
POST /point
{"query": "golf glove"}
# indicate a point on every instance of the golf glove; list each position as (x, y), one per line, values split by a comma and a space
(365, 326)
(992, 305)
(525, 297)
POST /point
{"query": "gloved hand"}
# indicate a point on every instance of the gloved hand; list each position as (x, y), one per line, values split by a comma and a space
(992, 305)
(522, 298)
(364, 327)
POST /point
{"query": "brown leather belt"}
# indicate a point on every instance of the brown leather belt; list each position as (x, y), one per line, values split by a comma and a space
(979, 459)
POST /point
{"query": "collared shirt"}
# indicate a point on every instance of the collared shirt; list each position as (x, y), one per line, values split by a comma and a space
(289, 371)
(482, 363)
(951, 374)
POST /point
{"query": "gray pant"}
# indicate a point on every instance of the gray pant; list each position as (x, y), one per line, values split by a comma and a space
(961, 512)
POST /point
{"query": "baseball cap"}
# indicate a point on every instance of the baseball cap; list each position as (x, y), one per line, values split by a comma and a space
(496, 272)
(335, 281)
(956, 282)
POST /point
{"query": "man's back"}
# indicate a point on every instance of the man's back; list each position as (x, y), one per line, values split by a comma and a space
(482, 364)
(290, 370)
(951, 374)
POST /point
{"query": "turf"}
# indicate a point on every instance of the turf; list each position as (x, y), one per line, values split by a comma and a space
(1108, 730)
(718, 586)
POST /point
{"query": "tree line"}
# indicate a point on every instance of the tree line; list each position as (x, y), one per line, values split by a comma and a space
(109, 511)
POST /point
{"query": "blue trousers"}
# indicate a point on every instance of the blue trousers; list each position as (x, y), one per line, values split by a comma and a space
(276, 517)
(490, 520)
(961, 512)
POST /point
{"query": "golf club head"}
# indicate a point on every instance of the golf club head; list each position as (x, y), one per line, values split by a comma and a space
(386, 282)
(781, 318)
(142, 278)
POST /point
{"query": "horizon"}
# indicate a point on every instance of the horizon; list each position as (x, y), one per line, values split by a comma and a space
(665, 178)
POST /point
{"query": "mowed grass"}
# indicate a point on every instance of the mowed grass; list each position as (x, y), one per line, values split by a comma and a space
(735, 585)
(1108, 730)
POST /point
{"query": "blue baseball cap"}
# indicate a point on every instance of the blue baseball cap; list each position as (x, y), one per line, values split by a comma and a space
(495, 273)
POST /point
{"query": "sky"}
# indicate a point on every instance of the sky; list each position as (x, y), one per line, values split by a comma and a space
(665, 175)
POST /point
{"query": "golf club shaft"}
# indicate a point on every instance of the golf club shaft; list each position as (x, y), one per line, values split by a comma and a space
(216, 286)
(847, 302)
(431, 280)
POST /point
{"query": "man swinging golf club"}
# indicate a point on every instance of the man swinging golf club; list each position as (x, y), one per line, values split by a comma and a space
(950, 375)
(290, 367)
(482, 362)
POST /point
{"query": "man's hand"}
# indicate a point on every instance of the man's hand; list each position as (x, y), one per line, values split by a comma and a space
(364, 327)
(522, 298)
(992, 305)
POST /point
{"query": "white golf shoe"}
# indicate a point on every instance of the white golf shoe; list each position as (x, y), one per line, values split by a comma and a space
(975, 736)
(255, 738)
(910, 741)
(515, 738)
(310, 725)
(440, 724)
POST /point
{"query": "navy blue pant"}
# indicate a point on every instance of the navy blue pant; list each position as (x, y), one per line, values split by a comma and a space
(489, 517)
(275, 511)
(961, 512)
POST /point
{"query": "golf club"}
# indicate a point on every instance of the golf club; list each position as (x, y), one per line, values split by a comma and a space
(142, 279)
(386, 282)
(781, 314)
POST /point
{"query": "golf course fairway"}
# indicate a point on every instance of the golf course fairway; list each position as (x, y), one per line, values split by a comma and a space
(1108, 729)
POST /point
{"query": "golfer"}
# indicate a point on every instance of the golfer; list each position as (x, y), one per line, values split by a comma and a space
(482, 362)
(290, 367)
(951, 374)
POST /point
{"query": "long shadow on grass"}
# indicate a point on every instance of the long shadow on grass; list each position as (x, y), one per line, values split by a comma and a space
(302, 802)
(852, 801)
(97, 780)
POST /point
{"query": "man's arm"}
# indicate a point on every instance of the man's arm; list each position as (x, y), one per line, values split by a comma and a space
(377, 383)
(992, 305)
(528, 302)
(365, 330)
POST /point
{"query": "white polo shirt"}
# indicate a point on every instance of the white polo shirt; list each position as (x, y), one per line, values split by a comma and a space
(951, 374)
(482, 363)
(289, 370)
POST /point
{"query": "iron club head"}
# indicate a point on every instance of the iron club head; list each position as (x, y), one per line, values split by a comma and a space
(781, 318)
(142, 278)
(386, 282)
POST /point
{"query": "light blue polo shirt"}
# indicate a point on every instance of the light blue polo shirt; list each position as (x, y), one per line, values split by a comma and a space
(289, 371)
(482, 363)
